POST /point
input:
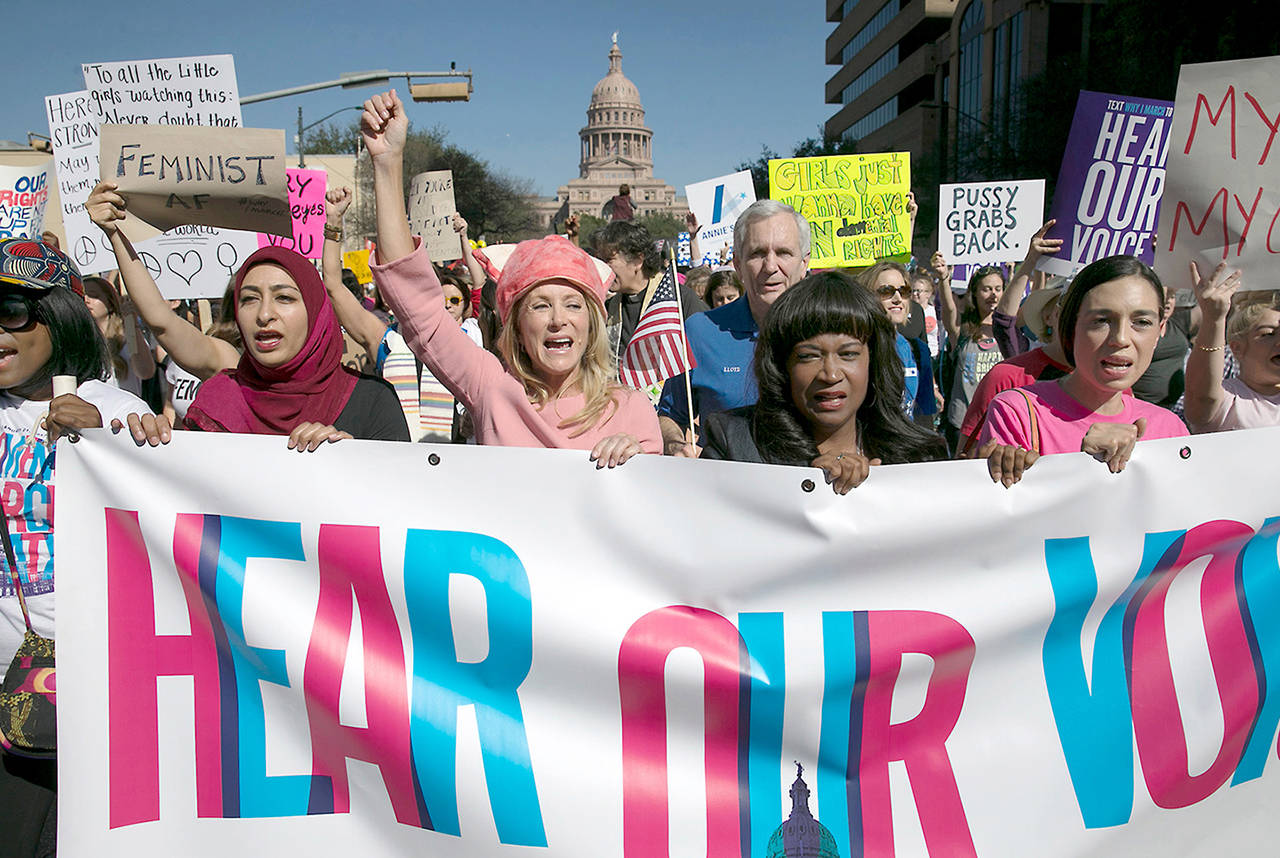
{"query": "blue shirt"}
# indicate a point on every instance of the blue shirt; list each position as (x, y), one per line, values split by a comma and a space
(723, 342)
(911, 375)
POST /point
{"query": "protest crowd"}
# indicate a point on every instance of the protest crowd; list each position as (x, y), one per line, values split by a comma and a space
(598, 343)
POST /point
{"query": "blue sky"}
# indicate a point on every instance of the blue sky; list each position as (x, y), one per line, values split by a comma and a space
(718, 79)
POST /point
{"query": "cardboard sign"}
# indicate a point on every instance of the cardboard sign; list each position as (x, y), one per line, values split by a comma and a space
(856, 205)
(24, 193)
(986, 221)
(189, 261)
(306, 210)
(1222, 200)
(1107, 199)
(358, 262)
(431, 208)
(177, 175)
(717, 204)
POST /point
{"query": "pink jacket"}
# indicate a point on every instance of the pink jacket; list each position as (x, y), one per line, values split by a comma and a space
(500, 409)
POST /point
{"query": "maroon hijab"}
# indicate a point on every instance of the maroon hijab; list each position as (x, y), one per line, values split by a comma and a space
(313, 387)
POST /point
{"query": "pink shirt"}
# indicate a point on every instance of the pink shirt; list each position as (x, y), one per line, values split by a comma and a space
(1062, 422)
(500, 408)
(1242, 407)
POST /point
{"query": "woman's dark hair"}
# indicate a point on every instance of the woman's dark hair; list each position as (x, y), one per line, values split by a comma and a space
(720, 278)
(225, 327)
(78, 347)
(832, 303)
(633, 241)
(1093, 275)
(970, 319)
(457, 283)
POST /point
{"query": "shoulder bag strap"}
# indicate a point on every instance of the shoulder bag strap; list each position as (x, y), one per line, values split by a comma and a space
(13, 571)
(1035, 426)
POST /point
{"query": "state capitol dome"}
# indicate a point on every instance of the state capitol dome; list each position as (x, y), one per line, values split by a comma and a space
(615, 89)
(801, 836)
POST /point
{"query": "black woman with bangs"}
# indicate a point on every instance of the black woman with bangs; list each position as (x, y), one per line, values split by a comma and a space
(831, 385)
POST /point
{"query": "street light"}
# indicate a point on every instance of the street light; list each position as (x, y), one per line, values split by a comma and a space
(372, 78)
(304, 128)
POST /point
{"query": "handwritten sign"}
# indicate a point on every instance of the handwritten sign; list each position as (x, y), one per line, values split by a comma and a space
(985, 221)
(1222, 203)
(177, 175)
(24, 193)
(856, 205)
(717, 203)
(190, 261)
(73, 130)
(431, 208)
(306, 210)
(358, 262)
(1107, 199)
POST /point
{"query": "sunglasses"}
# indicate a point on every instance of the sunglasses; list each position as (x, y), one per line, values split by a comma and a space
(890, 291)
(17, 313)
(453, 300)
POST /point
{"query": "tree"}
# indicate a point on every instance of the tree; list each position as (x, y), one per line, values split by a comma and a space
(494, 203)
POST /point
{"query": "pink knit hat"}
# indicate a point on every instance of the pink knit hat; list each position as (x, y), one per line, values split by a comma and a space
(537, 261)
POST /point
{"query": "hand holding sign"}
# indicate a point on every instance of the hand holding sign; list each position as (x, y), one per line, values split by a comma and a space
(105, 207)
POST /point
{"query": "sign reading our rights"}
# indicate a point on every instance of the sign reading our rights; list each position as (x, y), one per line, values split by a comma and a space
(224, 656)
(1107, 199)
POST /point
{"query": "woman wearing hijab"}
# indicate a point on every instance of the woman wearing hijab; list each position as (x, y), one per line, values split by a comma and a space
(290, 379)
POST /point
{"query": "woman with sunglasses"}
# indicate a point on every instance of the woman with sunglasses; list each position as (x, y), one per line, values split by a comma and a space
(831, 387)
(972, 349)
(891, 285)
(46, 332)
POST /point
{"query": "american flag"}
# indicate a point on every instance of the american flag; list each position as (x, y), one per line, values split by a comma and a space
(658, 349)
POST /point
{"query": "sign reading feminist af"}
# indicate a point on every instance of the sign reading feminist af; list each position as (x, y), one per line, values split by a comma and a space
(856, 205)
(252, 667)
(1222, 203)
(1107, 200)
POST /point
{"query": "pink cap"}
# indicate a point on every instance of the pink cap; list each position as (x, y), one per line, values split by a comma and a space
(541, 260)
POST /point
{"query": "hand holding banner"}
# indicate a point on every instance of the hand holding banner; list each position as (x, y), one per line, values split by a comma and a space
(179, 175)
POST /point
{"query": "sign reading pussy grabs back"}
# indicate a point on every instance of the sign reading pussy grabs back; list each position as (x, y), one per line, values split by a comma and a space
(1072, 667)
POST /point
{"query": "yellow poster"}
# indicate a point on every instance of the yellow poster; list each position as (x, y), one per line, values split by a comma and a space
(358, 262)
(856, 205)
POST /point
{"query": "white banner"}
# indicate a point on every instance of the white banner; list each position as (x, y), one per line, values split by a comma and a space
(1221, 202)
(981, 222)
(496, 651)
(717, 203)
(187, 261)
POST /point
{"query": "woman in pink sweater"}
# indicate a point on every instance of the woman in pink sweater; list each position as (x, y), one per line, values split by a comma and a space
(1109, 323)
(557, 388)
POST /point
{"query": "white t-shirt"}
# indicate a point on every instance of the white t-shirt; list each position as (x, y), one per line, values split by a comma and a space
(1242, 408)
(183, 387)
(26, 469)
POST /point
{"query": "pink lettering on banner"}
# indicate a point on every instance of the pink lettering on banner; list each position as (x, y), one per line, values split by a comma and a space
(350, 563)
(306, 209)
(919, 743)
(1157, 722)
(642, 660)
(137, 656)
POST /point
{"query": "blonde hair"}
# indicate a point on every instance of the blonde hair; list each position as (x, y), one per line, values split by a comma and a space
(1247, 312)
(595, 369)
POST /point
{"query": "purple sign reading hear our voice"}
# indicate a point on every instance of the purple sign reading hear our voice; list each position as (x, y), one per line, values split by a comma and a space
(1107, 199)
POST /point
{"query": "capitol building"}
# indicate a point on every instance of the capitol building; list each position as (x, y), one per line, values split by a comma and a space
(616, 149)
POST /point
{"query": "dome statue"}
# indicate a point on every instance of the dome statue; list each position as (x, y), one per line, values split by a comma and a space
(801, 836)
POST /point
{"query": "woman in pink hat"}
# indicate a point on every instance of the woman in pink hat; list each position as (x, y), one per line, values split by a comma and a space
(557, 388)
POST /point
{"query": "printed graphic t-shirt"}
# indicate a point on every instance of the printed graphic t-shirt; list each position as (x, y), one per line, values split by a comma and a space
(27, 495)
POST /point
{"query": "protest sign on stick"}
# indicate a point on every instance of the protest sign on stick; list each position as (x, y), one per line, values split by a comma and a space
(306, 210)
(431, 208)
(24, 193)
(358, 262)
(717, 203)
(189, 261)
(176, 175)
(1222, 200)
(856, 205)
(989, 221)
(73, 130)
(1107, 199)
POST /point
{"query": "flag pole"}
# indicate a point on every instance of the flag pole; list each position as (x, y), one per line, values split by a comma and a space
(684, 342)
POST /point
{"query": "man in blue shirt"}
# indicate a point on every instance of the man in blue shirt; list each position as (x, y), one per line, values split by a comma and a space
(770, 254)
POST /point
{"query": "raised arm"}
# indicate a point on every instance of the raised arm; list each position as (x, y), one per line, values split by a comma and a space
(1204, 394)
(364, 327)
(946, 301)
(473, 265)
(384, 127)
(201, 355)
(695, 252)
(1040, 245)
